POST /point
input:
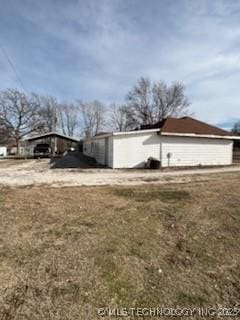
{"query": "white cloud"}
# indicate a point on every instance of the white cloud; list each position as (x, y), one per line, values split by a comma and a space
(109, 44)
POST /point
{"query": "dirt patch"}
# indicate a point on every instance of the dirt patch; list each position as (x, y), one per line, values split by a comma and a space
(65, 252)
(39, 172)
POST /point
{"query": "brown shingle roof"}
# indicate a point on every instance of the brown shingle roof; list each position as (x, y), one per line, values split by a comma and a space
(186, 125)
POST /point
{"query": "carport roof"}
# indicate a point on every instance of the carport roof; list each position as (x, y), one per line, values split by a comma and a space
(51, 135)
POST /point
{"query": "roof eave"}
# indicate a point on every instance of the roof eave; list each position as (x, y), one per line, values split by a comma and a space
(52, 133)
(195, 135)
(135, 132)
(122, 133)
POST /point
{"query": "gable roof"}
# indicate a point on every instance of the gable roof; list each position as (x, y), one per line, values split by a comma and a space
(186, 125)
(51, 134)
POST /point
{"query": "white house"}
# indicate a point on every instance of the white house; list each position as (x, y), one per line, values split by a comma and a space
(174, 142)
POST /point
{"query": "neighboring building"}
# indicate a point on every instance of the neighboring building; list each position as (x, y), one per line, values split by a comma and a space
(3, 151)
(12, 150)
(174, 142)
(59, 143)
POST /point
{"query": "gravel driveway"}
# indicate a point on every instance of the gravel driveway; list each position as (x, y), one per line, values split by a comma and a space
(38, 172)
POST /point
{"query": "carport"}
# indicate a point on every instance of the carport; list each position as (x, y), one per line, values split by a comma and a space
(59, 143)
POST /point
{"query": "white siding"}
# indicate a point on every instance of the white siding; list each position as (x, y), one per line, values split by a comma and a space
(187, 151)
(3, 152)
(132, 151)
(110, 152)
(96, 148)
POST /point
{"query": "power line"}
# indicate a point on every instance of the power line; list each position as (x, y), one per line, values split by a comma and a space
(13, 67)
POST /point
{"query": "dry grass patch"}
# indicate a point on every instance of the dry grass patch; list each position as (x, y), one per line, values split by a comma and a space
(142, 195)
(65, 252)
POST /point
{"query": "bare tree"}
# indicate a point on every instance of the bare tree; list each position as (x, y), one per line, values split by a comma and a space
(93, 114)
(19, 114)
(48, 112)
(169, 100)
(68, 116)
(5, 133)
(139, 104)
(55, 115)
(236, 128)
(148, 103)
(118, 117)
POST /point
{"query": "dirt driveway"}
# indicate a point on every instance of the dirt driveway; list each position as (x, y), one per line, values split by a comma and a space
(38, 172)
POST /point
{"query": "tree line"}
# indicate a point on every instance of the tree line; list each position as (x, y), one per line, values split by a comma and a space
(148, 102)
(23, 114)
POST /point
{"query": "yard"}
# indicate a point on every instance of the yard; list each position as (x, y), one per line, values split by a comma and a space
(69, 172)
(66, 251)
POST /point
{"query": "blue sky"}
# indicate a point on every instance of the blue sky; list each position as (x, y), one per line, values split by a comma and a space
(97, 49)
